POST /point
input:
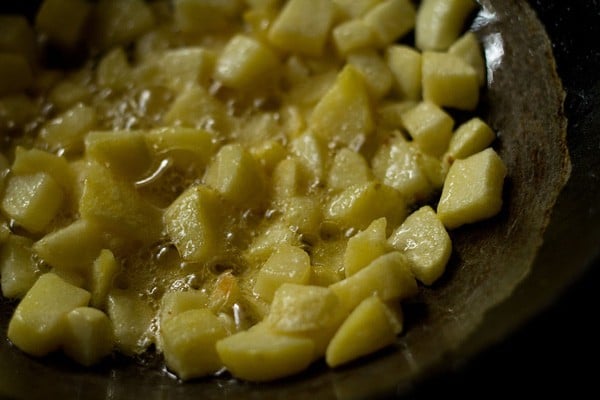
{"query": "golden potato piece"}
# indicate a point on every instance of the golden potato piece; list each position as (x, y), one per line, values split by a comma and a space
(18, 269)
(366, 246)
(288, 264)
(390, 20)
(430, 127)
(440, 22)
(88, 335)
(405, 64)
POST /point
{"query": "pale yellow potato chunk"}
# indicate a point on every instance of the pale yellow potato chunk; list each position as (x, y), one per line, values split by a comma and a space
(16, 36)
(114, 71)
(38, 324)
(469, 49)
(303, 26)
(189, 340)
(32, 161)
(88, 335)
(430, 127)
(118, 22)
(389, 114)
(198, 16)
(374, 70)
(352, 35)
(260, 354)
(104, 270)
(423, 239)
(245, 62)
(268, 238)
(405, 64)
(469, 138)
(172, 141)
(289, 179)
(192, 223)
(473, 189)
(366, 246)
(18, 269)
(312, 153)
(175, 303)
(15, 73)
(68, 130)
(236, 176)
(63, 21)
(440, 22)
(348, 168)
(288, 264)
(303, 215)
(356, 8)
(131, 318)
(391, 20)
(344, 114)
(72, 248)
(449, 81)
(389, 276)
(32, 200)
(180, 68)
(367, 329)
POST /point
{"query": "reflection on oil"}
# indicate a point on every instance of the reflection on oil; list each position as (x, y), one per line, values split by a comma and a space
(493, 43)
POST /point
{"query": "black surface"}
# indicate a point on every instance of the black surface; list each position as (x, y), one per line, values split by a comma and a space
(557, 351)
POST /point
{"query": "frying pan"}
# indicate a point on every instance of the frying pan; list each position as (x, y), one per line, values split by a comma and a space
(513, 283)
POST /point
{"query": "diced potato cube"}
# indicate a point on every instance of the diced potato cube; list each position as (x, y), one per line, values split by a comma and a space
(67, 131)
(195, 107)
(374, 70)
(175, 303)
(358, 205)
(173, 141)
(237, 176)
(115, 205)
(131, 318)
(469, 49)
(440, 22)
(124, 152)
(37, 327)
(344, 113)
(289, 179)
(312, 153)
(32, 161)
(32, 200)
(391, 20)
(245, 62)
(473, 189)
(104, 270)
(367, 329)
(15, 73)
(388, 276)
(192, 224)
(269, 238)
(356, 8)
(288, 264)
(269, 153)
(430, 127)
(448, 81)
(118, 22)
(303, 26)
(352, 35)
(16, 36)
(184, 67)
(471, 137)
(67, 93)
(405, 64)
(366, 246)
(18, 269)
(259, 354)
(189, 342)
(199, 16)
(348, 168)
(72, 248)
(113, 70)
(88, 336)
(303, 215)
(425, 242)
(389, 114)
(63, 20)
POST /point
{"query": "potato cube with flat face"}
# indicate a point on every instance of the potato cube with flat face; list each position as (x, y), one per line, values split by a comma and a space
(469, 49)
(303, 215)
(348, 168)
(405, 64)
(16, 36)
(184, 67)
(312, 153)
(391, 20)
(131, 319)
(67, 131)
(189, 342)
(358, 205)
(440, 22)
(367, 329)
(449, 81)
(198, 16)
(113, 70)
(245, 62)
(366, 246)
(191, 222)
(32, 200)
(18, 269)
(31, 161)
(118, 22)
(175, 303)
(374, 70)
(389, 114)
(472, 190)
(237, 176)
(104, 270)
(352, 35)
(423, 239)
(430, 127)
(288, 264)
(114, 205)
(38, 324)
(303, 26)
(182, 144)
(289, 179)
(269, 238)
(63, 20)
(15, 73)
(344, 113)
(260, 354)
(72, 248)
(388, 276)
(471, 137)
(356, 8)
(88, 335)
